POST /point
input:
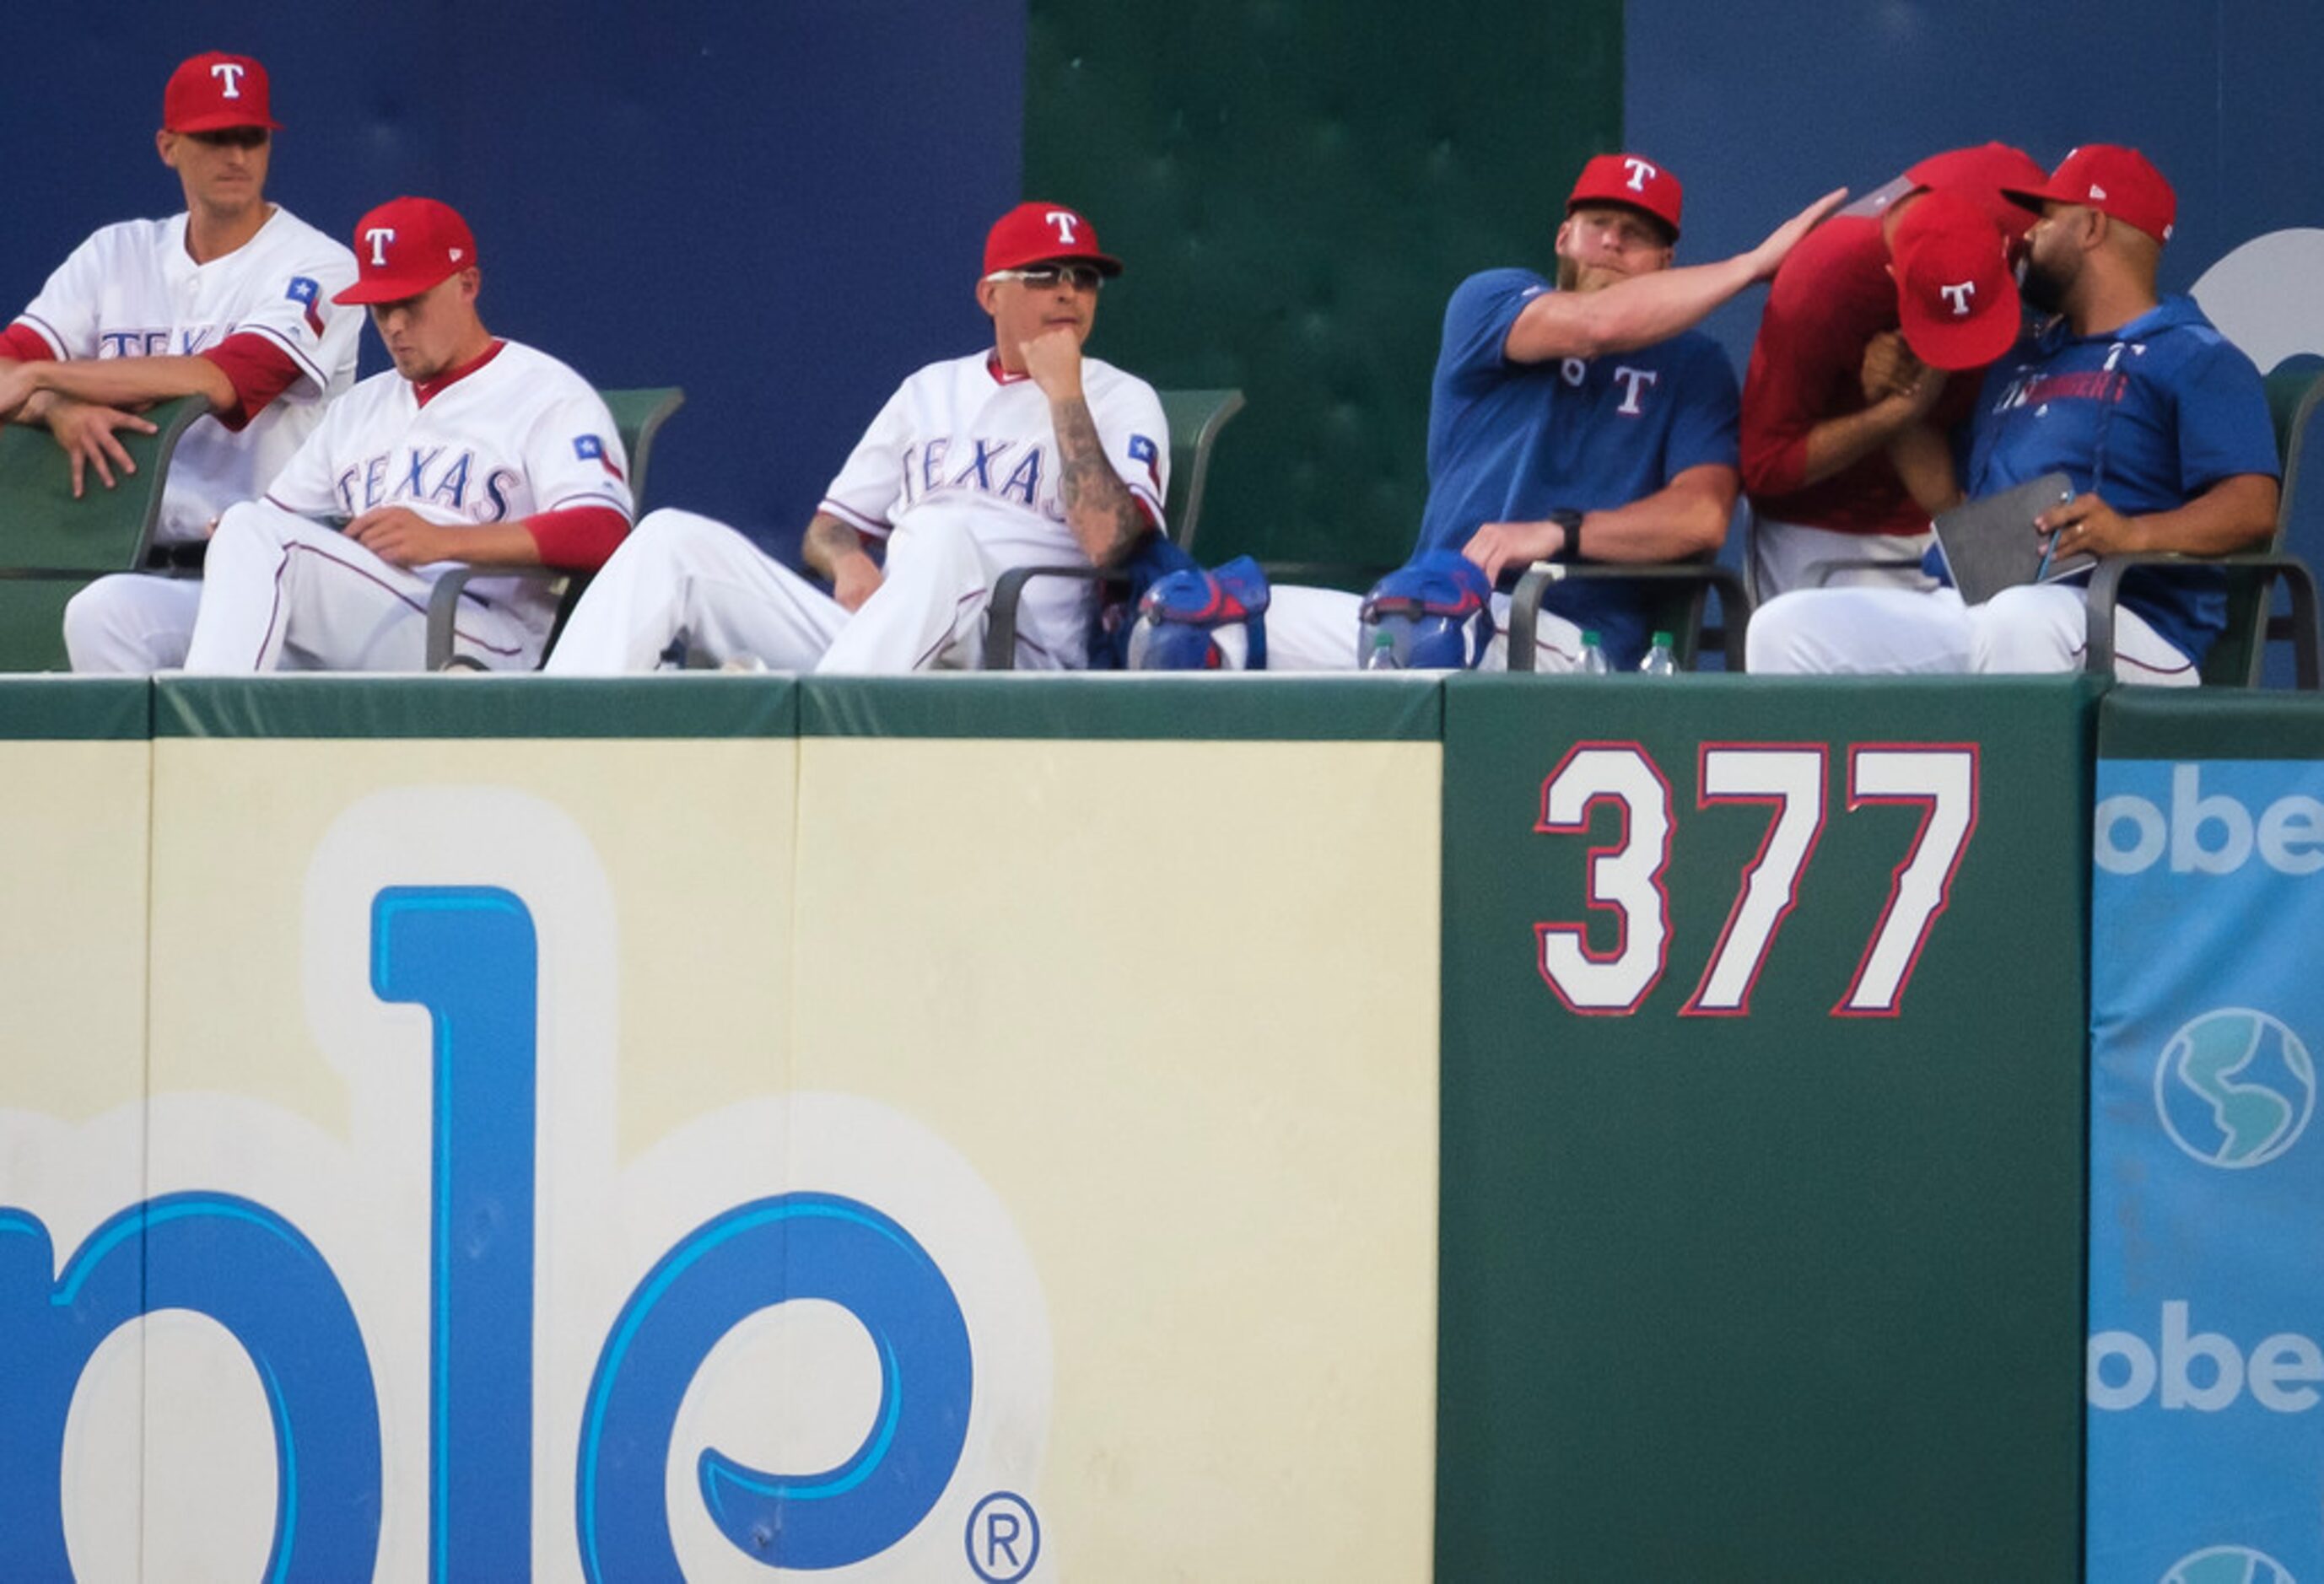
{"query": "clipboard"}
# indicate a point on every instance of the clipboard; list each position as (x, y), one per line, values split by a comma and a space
(1990, 544)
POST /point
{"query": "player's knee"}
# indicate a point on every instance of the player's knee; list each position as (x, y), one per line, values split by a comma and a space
(2026, 630)
(105, 629)
(1780, 640)
(666, 543)
(90, 627)
(251, 526)
(671, 531)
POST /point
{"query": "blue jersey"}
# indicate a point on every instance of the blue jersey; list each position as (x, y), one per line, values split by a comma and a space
(2148, 416)
(1513, 442)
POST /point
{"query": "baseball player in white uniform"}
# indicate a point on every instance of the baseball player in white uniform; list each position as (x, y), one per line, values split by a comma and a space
(230, 301)
(472, 450)
(1027, 454)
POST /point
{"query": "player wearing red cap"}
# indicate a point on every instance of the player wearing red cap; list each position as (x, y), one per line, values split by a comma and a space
(1852, 353)
(472, 450)
(1583, 422)
(2159, 422)
(229, 301)
(1029, 454)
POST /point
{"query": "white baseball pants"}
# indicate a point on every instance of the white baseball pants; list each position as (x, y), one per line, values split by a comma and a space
(1880, 631)
(131, 624)
(681, 575)
(280, 593)
(1782, 554)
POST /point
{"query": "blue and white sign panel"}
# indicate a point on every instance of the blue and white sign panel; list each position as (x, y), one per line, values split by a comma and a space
(2205, 1382)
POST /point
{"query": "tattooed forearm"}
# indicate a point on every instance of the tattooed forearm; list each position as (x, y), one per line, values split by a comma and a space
(828, 541)
(1099, 507)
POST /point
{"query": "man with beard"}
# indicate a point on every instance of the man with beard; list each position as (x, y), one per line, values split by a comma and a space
(2161, 423)
(1587, 423)
(1863, 338)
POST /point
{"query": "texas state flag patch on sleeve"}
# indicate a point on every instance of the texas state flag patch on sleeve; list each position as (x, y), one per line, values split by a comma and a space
(590, 448)
(1142, 449)
(310, 295)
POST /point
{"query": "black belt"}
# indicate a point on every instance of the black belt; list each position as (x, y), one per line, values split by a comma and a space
(177, 556)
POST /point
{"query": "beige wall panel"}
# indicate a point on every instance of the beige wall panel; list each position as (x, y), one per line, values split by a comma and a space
(1176, 1003)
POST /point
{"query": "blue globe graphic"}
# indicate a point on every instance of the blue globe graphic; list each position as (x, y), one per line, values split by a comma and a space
(2234, 1088)
(2227, 1564)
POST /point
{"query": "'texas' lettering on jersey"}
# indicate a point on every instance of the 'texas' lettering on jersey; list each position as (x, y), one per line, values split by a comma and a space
(434, 475)
(302, 289)
(1010, 469)
(154, 342)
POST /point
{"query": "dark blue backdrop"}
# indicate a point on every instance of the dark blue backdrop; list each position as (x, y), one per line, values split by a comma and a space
(779, 207)
(1759, 108)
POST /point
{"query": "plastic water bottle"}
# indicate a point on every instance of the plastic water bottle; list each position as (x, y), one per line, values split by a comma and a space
(1381, 655)
(1593, 662)
(1660, 661)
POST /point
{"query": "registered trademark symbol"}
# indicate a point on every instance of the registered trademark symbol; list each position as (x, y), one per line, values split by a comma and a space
(1004, 1538)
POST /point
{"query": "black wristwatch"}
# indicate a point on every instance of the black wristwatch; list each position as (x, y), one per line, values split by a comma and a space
(1572, 522)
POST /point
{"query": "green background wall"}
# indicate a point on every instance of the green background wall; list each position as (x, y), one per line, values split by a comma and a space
(1785, 1295)
(1297, 188)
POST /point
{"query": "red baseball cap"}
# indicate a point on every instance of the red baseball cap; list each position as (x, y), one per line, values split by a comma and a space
(405, 246)
(1036, 232)
(1633, 182)
(1993, 176)
(1956, 296)
(215, 92)
(2114, 181)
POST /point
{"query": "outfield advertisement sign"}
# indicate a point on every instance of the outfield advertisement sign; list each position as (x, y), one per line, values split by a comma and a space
(2205, 1370)
(495, 1158)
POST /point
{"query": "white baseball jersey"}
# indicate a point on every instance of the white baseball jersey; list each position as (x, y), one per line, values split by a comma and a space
(132, 290)
(520, 435)
(958, 472)
(978, 447)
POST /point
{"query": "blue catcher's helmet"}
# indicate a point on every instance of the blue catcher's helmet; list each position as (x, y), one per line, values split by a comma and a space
(1197, 620)
(1434, 613)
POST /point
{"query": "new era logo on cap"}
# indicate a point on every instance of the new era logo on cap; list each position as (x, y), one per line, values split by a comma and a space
(405, 246)
(1956, 298)
(1633, 182)
(216, 92)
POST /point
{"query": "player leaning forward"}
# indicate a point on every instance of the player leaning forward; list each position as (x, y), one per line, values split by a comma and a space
(472, 450)
(1587, 423)
(1029, 454)
(228, 301)
(2160, 424)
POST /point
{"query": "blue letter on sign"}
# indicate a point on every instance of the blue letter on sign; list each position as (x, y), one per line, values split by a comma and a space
(466, 954)
(251, 1271)
(754, 1257)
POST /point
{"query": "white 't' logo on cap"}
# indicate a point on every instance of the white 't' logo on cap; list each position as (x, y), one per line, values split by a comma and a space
(381, 235)
(1065, 220)
(1958, 294)
(1640, 174)
(230, 74)
(2097, 192)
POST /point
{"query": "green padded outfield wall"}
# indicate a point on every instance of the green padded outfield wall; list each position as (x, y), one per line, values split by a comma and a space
(1295, 189)
(1761, 1289)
